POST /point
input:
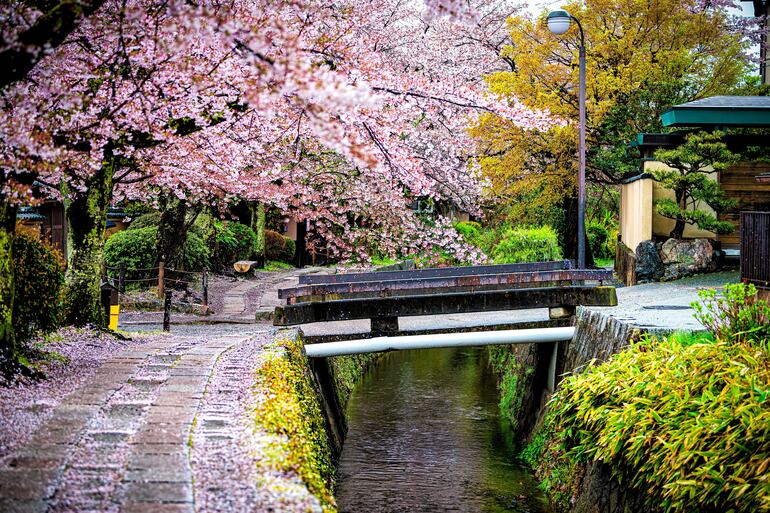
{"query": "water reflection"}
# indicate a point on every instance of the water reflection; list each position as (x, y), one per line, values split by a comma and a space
(425, 436)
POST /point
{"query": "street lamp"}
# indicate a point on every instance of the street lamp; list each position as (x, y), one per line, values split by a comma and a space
(558, 23)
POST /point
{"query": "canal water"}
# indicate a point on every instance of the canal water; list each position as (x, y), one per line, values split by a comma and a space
(425, 435)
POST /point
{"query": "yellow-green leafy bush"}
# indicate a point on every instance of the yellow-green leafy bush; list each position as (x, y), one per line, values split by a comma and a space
(38, 280)
(684, 420)
(523, 244)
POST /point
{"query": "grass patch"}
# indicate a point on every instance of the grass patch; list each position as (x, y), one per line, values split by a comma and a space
(275, 265)
(604, 262)
(382, 261)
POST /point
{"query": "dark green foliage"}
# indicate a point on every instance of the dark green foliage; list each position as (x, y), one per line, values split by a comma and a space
(688, 177)
(137, 249)
(39, 279)
(291, 249)
(598, 238)
(195, 255)
(234, 241)
(145, 220)
(275, 245)
(527, 245)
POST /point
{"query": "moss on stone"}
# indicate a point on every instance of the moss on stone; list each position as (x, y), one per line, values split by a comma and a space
(347, 371)
(292, 411)
(510, 383)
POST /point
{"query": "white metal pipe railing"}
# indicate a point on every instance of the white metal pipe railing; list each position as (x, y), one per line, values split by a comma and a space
(483, 338)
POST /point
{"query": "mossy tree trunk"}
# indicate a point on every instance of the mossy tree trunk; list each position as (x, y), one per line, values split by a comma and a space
(8, 345)
(86, 212)
(176, 218)
(258, 224)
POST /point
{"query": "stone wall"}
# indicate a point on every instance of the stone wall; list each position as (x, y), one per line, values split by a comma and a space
(598, 336)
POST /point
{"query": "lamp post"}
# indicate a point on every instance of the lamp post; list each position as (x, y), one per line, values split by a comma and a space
(558, 23)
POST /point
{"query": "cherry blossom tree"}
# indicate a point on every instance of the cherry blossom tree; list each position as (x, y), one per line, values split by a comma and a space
(342, 113)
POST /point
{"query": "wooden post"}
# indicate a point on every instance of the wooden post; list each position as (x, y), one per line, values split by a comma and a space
(205, 279)
(161, 279)
(167, 311)
(122, 278)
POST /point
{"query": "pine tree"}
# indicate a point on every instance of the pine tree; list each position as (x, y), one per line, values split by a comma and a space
(690, 165)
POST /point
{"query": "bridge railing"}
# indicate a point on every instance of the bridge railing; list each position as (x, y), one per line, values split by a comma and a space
(383, 297)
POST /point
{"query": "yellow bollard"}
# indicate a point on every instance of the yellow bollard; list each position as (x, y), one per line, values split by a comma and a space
(111, 304)
(114, 314)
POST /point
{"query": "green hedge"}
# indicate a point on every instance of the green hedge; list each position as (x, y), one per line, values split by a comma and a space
(527, 245)
(685, 420)
(136, 248)
(145, 220)
(234, 241)
(275, 246)
(38, 282)
(291, 250)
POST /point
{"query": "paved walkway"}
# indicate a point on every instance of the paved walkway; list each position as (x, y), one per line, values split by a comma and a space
(665, 306)
(122, 442)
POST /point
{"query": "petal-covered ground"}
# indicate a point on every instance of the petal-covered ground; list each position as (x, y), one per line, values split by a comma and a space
(161, 422)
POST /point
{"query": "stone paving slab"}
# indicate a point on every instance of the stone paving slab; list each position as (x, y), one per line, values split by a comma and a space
(119, 442)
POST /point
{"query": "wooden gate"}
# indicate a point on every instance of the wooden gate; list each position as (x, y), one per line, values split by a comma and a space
(755, 248)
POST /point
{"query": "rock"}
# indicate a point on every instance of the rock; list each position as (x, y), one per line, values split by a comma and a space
(648, 264)
(686, 257)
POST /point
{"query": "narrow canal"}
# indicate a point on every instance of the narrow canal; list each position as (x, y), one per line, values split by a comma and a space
(425, 436)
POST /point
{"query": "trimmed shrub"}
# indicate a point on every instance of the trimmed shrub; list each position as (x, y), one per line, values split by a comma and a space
(275, 245)
(527, 245)
(234, 241)
(145, 220)
(291, 249)
(38, 282)
(597, 240)
(137, 249)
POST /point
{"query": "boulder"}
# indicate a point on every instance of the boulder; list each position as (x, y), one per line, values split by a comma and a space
(648, 264)
(686, 257)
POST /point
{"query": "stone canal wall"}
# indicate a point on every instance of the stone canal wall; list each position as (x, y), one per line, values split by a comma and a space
(306, 410)
(524, 400)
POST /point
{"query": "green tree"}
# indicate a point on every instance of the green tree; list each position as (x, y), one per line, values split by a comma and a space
(642, 58)
(690, 165)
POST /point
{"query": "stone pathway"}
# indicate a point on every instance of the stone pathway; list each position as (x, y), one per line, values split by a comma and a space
(122, 441)
(234, 300)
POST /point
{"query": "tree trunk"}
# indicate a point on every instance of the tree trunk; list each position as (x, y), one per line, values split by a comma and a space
(86, 213)
(678, 231)
(570, 238)
(258, 223)
(172, 231)
(8, 346)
